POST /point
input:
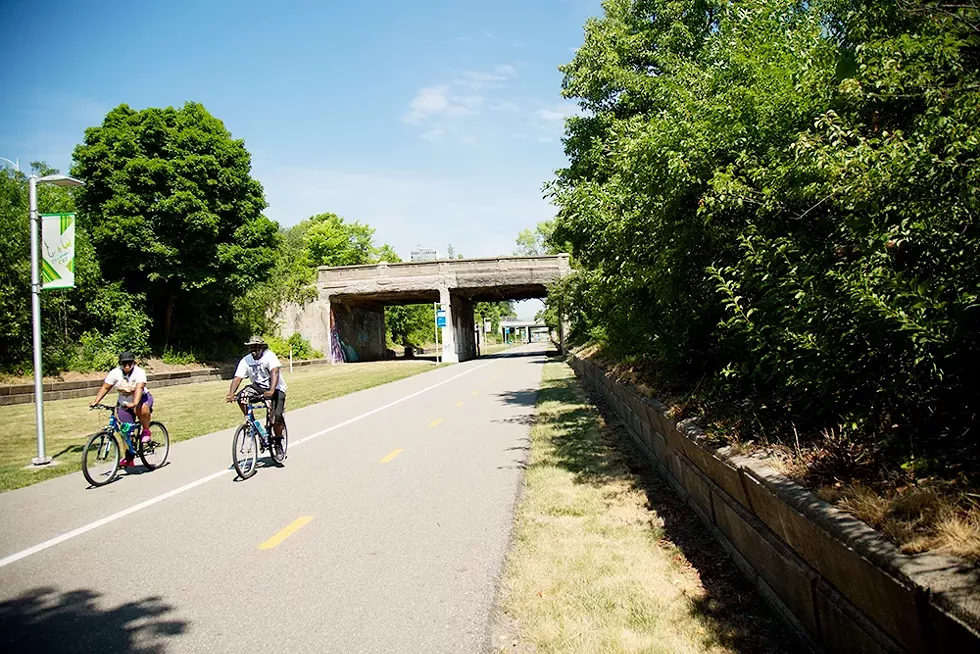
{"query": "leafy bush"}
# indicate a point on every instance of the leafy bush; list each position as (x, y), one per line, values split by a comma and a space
(300, 346)
(178, 358)
(777, 202)
(94, 352)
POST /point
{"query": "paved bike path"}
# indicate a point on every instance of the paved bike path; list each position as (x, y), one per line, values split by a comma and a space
(408, 512)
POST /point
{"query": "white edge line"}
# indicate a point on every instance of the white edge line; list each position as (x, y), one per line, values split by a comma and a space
(40, 547)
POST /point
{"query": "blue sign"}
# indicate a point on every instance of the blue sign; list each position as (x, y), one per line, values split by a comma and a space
(440, 318)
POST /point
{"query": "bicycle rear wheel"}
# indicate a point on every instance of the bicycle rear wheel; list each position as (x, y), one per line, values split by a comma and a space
(278, 445)
(100, 459)
(154, 454)
(245, 451)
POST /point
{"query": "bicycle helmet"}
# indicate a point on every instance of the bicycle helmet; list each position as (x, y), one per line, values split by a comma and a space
(126, 357)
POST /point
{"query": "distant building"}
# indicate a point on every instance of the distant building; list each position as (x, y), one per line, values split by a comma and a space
(424, 254)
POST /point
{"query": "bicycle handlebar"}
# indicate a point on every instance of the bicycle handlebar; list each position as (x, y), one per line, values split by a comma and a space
(102, 406)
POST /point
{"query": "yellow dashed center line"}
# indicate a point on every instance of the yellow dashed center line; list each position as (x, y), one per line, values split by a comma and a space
(435, 422)
(391, 455)
(476, 392)
(286, 532)
(459, 404)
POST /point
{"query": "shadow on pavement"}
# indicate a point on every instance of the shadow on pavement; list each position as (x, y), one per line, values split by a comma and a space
(596, 454)
(46, 620)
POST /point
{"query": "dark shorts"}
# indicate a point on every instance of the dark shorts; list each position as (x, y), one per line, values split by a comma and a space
(254, 393)
(127, 415)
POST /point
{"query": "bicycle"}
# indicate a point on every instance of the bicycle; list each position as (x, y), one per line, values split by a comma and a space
(251, 439)
(100, 458)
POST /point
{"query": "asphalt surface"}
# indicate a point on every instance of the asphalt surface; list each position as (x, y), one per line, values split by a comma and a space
(385, 531)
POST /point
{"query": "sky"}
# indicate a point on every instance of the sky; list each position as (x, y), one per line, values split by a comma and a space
(437, 122)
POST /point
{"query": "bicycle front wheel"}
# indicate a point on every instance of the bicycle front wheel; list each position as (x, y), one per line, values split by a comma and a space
(154, 454)
(245, 451)
(100, 459)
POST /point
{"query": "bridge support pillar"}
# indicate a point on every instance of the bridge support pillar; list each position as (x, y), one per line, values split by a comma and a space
(465, 324)
(449, 354)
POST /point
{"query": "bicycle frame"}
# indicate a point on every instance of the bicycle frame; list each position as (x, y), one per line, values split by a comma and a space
(115, 426)
(250, 415)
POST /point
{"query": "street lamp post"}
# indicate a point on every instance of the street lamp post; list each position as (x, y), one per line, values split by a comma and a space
(32, 182)
(15, 164)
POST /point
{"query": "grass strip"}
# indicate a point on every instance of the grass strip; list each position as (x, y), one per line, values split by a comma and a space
(605, 558)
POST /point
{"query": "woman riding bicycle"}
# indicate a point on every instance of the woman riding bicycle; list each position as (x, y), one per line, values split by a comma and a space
(134, 399)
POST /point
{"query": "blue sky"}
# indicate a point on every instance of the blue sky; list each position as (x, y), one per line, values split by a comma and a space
(434, 122)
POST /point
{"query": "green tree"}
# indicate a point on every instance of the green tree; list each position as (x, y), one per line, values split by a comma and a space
(15, 273)
(330, 241)
(92, 313)
(494, 312)
(777, 200)
(385, 253)
(537, 242)
(410, 325)
(175, 215)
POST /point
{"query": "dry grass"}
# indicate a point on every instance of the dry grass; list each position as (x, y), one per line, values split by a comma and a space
(916, 518)
(188, 411)
(594, 568)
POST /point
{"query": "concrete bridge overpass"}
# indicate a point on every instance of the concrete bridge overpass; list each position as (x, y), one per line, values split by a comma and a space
(348, 312)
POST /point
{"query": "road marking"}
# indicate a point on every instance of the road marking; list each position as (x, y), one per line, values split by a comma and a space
(57, 540)
(435, 422)
(391, 455)
(109, 518)
(476, 392)
(459, 404)
(286, 532)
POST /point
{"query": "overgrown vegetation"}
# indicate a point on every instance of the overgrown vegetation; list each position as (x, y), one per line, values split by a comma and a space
(772, 208)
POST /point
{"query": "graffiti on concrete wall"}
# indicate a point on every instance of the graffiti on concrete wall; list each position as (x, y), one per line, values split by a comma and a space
(358, 332)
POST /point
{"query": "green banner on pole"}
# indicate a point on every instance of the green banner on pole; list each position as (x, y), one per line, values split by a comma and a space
(57, 250)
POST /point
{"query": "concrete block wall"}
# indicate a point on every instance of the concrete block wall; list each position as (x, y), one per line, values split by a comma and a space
(838, 583)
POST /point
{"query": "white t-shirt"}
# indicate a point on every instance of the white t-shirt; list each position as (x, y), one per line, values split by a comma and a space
(260, 371)
(126, 385)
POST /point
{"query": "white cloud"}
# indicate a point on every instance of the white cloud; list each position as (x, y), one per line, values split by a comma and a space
(441, 109)
(481, 79)
(436, 101)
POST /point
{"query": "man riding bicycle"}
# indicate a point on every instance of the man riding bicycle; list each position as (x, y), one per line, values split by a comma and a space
(262, 367)
(134, 401)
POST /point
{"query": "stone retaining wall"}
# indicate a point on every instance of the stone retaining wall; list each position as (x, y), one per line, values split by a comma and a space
(24, 393)
(836, 581)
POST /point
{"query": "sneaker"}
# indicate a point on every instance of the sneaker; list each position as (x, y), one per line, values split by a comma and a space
(126, 463)
(146, 436)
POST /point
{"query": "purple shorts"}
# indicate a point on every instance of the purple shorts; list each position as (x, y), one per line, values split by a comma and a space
(127, 415)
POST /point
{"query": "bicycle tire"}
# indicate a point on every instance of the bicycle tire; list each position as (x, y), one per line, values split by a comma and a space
(111, 442)
(278, 446)
(163, 435)
(243, 434)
